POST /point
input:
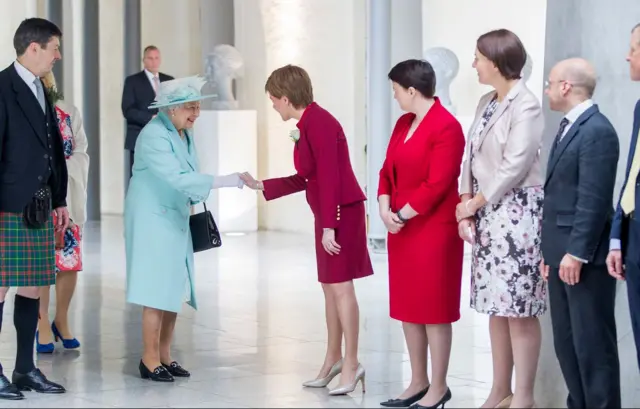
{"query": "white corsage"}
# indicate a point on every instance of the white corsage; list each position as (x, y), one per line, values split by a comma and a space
(295, 135)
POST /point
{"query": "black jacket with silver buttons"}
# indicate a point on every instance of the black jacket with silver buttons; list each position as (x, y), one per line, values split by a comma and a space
(31, 151)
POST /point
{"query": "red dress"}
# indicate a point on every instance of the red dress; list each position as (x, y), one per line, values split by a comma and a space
(425, 257)
(321, 159)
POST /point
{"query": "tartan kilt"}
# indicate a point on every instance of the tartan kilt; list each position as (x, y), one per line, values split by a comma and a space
(27, 256)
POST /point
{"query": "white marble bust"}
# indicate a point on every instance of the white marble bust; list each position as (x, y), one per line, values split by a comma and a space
(446, 66)
(223, 65)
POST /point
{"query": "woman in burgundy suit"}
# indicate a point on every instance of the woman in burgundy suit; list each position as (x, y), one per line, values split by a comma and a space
(323, 169)
(417, 195)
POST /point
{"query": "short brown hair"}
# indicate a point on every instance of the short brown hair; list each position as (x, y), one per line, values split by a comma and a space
(292, 82)
(150, 48)
(505, 50)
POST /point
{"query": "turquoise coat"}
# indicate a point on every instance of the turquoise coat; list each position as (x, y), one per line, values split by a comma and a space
(164, 186)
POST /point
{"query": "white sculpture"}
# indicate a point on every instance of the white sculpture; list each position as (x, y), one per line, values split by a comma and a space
(222, 66)
(446, 65)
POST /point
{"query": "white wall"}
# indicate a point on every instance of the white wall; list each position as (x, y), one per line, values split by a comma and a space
(111, 120)
(456, 24)
(174, 27)
(273, 33)
(13, 12)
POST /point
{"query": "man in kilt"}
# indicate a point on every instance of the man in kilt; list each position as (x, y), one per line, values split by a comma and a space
(33, 185)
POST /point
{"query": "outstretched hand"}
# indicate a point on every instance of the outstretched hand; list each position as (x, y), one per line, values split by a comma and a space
(250, 181)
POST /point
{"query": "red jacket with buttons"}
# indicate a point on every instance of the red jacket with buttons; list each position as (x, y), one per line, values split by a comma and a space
(323, 168)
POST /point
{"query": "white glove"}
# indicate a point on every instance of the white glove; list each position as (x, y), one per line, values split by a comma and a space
(232, 180)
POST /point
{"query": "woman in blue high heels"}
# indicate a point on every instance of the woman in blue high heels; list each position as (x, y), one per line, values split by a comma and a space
(68, 249)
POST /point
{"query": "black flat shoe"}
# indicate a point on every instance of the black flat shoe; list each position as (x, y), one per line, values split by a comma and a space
(9, 391)
(176, 370)
(404, 403)
(36, 381)
(160, 374)
(446, 398)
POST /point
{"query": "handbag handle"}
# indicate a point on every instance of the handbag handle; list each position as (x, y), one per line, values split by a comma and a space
(204, 203)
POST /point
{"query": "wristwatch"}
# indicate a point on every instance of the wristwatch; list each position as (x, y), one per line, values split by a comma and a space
(402, 219)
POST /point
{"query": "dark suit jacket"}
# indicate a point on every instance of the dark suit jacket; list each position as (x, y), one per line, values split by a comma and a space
(578, 191)
(25, 153)
(137, 95)
(620, 227)
(321, 158)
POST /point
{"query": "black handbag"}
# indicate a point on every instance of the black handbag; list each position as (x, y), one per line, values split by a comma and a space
(204, 232)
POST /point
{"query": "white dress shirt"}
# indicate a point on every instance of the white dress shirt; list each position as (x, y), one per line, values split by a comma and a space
(27, 76)
(573, 115)
(151, 76)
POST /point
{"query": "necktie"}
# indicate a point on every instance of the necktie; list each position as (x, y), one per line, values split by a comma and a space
(563, 126)
(156, 84)
(40, 94)
(628, 199)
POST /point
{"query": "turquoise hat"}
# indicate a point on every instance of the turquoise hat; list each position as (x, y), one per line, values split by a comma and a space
(180, 91)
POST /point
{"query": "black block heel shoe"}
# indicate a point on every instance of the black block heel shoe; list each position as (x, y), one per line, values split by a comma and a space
(160, 374)
(177, 370)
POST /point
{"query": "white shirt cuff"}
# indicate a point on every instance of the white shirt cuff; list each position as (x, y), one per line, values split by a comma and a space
(579, 259)
(615, 244)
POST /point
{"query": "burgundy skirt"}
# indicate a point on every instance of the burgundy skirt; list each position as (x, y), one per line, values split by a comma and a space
(353, 261)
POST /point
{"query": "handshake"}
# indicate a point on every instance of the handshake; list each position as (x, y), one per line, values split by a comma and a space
(238, 180)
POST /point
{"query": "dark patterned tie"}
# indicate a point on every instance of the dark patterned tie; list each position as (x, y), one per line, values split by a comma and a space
(563, 126)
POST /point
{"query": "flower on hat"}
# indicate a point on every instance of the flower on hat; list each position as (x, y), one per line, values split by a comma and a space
(180, 90)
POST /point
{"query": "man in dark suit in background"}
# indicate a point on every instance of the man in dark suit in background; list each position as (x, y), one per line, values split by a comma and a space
(139, 92)
(578, 209)
(624, 255)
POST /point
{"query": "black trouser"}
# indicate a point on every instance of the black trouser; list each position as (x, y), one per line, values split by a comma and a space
(632, 275)
(585, 338)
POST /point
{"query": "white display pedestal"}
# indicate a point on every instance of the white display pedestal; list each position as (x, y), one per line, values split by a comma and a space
(227, 142)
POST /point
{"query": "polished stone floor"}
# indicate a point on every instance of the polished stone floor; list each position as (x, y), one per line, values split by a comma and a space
(258, 334)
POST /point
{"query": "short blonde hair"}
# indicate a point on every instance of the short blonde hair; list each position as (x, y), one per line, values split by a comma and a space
(49, 81)
(292, 82)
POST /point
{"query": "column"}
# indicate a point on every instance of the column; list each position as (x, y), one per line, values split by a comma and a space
(13, 14)
(216, 24)
(406, 39)
(132, 61)
(112, 42)
(379, 109)
(91, 111)
(54, 10)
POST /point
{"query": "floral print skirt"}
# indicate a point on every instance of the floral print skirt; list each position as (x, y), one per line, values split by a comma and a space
(505, 272)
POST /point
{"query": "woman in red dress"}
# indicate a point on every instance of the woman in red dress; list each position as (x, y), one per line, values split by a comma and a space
(323, 170)
(417, 196)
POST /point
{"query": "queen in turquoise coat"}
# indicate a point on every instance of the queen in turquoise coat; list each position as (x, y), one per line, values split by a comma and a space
(166, 183)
